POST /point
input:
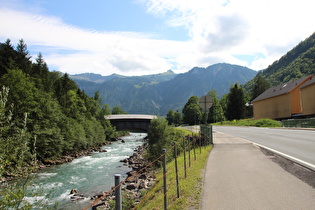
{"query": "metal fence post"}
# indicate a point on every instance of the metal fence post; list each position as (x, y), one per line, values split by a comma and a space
(200, 144)
(176, 168)
(195, 149)
(164, 178)
(185, 157)
(189, 153)
(118, 192)
(211, 135)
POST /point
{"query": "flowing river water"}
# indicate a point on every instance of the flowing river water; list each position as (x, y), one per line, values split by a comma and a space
(89, 175)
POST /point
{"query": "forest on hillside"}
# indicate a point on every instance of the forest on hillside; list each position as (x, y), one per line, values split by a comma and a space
(43, 114)
(298, 62)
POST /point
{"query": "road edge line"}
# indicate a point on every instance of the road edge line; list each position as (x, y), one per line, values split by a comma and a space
(296, 160)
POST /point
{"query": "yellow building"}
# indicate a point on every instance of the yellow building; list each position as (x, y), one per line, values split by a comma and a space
(280, 102)
(308, 97)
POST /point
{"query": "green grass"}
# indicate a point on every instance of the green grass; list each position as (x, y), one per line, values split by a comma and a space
(190, 187)
(251, 122)
(186, 132)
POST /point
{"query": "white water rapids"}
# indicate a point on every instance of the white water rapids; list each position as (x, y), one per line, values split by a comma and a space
(89, 175)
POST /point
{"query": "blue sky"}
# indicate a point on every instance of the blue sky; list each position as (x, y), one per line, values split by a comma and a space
(139, 37)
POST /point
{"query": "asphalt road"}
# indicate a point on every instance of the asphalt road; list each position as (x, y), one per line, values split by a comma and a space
(239, 175)
(299, 144)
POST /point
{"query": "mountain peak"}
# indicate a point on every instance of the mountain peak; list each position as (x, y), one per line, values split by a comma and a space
(169, 72)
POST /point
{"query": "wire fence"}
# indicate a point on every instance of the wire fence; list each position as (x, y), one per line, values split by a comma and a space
(190, 146)
(300, 123)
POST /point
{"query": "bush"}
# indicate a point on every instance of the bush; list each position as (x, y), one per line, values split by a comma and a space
(161, 136)
(251, 122)
(267, 123)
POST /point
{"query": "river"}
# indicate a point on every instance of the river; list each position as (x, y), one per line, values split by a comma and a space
(89, 175)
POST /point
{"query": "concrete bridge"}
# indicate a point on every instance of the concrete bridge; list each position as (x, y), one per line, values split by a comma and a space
(131, 122)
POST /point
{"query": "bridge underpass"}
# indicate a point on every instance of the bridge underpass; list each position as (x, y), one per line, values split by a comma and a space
(131, 122)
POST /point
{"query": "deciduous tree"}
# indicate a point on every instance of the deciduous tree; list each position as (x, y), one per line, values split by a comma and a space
(215, 112)
(170, 116)
(260, 85)
(192, 111)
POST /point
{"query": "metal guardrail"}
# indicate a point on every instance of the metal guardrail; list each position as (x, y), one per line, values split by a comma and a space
(300, 123)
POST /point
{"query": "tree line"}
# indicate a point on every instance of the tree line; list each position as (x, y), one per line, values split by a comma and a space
(43, 114)
(298, 62)
(234, 105)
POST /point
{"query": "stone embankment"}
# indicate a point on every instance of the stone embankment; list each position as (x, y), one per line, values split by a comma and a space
(139, 179)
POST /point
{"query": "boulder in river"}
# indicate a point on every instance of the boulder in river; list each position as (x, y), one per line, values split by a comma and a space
(73, 191)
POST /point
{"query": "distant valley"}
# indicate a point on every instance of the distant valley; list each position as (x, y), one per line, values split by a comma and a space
(156, 94)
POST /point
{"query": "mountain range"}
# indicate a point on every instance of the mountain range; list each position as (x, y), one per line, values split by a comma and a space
(158, 93)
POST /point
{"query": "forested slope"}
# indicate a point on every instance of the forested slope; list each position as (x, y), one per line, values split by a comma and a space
(156, 94)
(43, 114)
(298, 62)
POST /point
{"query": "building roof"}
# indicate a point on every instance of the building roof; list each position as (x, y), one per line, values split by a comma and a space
(282, 89)
(311, 81)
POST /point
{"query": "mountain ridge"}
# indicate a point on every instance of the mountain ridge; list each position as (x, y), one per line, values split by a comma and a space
(156, 94)
(296, 63)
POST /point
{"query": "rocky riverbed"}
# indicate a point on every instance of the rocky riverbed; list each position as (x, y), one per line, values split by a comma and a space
(139, 179)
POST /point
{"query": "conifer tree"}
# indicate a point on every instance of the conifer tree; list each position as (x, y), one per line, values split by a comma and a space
(235, 103)
(23, 57)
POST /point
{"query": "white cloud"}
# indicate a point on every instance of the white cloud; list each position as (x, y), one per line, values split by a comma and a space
(240, 27)
(99, 52)
(218, 30)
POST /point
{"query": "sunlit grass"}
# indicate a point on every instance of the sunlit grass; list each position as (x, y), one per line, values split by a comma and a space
(251, 122)
(186, 132)
(190, 187)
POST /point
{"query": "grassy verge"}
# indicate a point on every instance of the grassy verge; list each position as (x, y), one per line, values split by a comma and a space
(186, 132)
(190, 187)
(251, 122)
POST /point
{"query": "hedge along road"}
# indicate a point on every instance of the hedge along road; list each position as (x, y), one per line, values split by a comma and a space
(299, 144)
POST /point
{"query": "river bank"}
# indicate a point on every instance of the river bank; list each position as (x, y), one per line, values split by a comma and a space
(138, 180)
(69, 157)
(87, 175)
(40, 165)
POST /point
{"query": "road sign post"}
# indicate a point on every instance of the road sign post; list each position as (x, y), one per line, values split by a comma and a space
(205, 103)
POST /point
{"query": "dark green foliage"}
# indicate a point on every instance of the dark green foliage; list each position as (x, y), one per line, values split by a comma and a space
(260, 85)
(174, 118)
(7, 57)
(14, 150)
(161, 136)
(170, 116)
(61, 119)
(235, 103)
(192, 113)
(178, 118)
(118, 110)
(267, 123)
(216, 113)
(23, 59)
